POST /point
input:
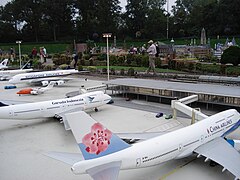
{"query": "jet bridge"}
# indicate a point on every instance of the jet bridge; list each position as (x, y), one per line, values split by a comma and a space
(180, 105)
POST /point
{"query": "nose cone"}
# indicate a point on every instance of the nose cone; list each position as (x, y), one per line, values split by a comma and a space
(11, 81)
(109, 99)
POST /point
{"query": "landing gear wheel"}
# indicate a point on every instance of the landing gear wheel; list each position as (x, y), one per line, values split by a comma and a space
(96, 109)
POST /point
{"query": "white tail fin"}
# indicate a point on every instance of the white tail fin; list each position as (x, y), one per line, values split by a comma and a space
(3, 64)
(93, 139)
(50, 85)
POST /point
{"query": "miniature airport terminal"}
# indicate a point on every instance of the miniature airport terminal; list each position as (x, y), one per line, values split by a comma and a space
(24, 143)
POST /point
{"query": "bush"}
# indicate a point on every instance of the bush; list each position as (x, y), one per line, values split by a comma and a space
(113, 60)
(122, 72)
(231, 55)
(198, 66)
(86, 56)
(92, 68)
(191, 66)
(48, 67)
(130, 58)
(102, 57)
(63, 66)
(121, 60)
(145, 62)
(112, 71)
(223, 69)
(158, 62)
(233, 70)
(59, 59)
(104, 70)
(82, 62)
(80, 67)
(131, 72)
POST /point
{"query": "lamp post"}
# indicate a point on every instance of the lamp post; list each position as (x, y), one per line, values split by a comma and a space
(167, 17)
(107, 35)
(19, 50)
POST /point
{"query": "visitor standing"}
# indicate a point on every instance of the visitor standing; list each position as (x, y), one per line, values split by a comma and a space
(45, 54)
(151, 53)
(34, 52)
(12, 54)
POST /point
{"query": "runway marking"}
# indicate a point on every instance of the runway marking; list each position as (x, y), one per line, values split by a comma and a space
(176, 169)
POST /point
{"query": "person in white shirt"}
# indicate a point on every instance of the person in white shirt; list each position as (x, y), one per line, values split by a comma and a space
(151, 53)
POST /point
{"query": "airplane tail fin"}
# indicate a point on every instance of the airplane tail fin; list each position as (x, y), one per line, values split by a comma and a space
(93, 138)
(4, 63)
(27, 65)
(50, 85)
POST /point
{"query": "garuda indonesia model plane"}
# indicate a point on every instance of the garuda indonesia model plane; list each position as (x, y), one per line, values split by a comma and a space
(105, 153)
(55, 108)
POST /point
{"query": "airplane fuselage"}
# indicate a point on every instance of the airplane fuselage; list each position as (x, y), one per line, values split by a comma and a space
(54, 107)
(29, 77)
(5, 74)
(173, 145)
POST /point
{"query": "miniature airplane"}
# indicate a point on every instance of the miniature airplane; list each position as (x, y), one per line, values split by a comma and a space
(104, 153)
(43, 77)
(7, 74)
(36, 91)
(3, 64)
(55, 108)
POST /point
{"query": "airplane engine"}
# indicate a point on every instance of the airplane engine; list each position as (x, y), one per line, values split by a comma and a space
(3, 78)
(234, 143)
(45, 83)
(34, 92)
(60, 82)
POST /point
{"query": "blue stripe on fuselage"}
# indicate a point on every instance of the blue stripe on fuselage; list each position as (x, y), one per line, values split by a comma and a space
(233, 128)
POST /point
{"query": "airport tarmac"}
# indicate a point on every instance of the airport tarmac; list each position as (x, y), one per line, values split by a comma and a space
(23, 143)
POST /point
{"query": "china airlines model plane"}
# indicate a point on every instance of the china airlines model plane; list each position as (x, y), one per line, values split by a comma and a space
(104, 153)
(55, 108)
(43, 77)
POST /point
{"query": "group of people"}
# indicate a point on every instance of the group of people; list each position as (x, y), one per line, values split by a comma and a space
(42, 53)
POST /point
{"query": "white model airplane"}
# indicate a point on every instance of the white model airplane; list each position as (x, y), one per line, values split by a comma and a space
(55, 108)
(3, 64)
(7, 74)
(43, 77)
(104, 153)
(36, 91)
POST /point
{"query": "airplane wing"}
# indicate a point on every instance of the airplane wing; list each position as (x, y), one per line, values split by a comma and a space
(62, 114)
(4, 77)
(68, 158)
(39, 81)
(223, 153)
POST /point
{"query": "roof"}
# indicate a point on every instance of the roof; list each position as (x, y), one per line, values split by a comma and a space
(201, 88)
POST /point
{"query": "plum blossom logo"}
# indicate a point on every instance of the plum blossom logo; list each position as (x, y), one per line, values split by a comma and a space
(97, 140)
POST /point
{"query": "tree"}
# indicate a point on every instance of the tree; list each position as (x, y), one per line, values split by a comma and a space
(231, 55)
(58, 16)
(29, 17)
(145, 17)
(8, 32)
